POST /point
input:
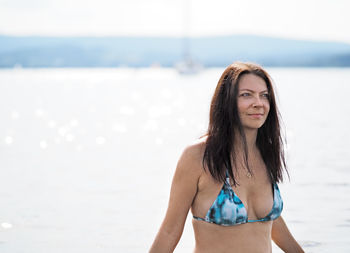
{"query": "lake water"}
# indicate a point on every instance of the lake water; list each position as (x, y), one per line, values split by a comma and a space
(87, 155)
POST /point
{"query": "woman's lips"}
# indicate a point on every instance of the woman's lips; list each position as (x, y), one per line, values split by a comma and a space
(256, 116)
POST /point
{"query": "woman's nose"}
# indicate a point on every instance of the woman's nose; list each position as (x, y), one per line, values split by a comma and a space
(257, 102)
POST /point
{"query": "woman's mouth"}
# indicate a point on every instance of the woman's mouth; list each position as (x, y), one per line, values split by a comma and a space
(256, 116)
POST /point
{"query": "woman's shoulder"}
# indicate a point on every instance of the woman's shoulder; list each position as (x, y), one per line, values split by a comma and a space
(192, 155)
(196, 148)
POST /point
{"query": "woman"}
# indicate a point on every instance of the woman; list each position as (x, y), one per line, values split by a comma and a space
(229, 178)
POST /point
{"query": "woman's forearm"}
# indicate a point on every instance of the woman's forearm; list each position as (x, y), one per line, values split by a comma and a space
(283, 238)
(165, 242)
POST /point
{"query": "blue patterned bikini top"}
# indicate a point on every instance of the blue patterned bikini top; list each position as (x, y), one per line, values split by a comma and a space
(228, 209)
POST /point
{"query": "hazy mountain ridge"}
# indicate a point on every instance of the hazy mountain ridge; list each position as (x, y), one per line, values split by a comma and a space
(167, 51)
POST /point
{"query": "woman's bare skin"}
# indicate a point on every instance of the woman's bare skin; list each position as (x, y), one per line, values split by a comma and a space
(257, 197)
(193, 188)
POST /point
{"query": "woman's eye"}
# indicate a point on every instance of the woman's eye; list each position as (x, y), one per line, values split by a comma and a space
(245, 94)
(266, 95)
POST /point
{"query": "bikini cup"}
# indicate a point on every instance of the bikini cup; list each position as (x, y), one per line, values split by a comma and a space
(229, 210)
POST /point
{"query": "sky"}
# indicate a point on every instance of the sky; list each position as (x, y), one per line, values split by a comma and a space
(298, 19)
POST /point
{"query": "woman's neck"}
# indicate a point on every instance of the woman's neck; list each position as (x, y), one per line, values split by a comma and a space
(250, 135)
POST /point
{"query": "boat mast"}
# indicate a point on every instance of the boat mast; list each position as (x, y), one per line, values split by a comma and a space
(186, 31)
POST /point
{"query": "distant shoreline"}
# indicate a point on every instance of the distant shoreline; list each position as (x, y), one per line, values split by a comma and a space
(136, 52)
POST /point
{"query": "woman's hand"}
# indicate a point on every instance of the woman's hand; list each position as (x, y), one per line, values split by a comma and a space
(283, 238)
(183, 191)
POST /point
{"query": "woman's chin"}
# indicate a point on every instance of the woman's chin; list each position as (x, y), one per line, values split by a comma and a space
(252, 126)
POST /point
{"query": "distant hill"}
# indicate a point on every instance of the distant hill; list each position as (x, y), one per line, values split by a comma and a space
(146, 51)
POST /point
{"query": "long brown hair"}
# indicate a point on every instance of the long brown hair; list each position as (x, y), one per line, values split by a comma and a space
(224, 118)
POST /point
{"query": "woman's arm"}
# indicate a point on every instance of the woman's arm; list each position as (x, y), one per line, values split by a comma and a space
(183, 190)
(283, 238)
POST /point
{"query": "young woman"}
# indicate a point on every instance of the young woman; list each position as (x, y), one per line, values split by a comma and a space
(229, 177)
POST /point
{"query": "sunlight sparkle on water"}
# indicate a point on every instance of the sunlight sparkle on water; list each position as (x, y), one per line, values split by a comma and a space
(8, 140)
(135, 96)
(43, 144)
(63, 130)
(70, 137)
(159, 141)
(6, 225)
(14, 115)
(100, 140)
(79, 147)
(74, 122)
(39, 112)
(51, 124)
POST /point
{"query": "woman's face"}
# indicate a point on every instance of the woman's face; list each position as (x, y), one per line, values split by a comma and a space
(253, 101)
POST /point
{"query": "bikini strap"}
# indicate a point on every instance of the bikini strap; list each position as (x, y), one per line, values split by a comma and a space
(227, 177)
(198, 218)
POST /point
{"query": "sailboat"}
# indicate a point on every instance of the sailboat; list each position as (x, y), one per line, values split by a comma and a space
(188, 66)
